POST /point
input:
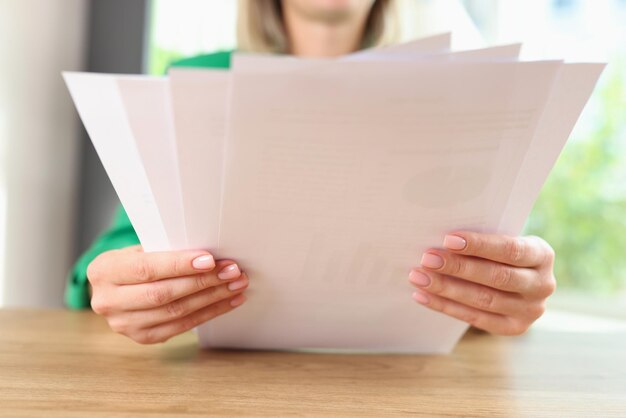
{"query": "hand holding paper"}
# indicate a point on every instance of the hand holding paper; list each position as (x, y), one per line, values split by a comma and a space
(491, 281)
(151, 297)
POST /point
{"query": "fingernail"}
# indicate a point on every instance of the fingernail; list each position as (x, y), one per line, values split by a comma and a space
(238, 284)
(420, 297)
(418, 278)
(237, 300)
(432, 261)
(204, 262)
(454, 242)
(229, 272)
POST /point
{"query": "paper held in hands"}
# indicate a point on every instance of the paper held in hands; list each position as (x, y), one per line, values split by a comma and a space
(326, 179)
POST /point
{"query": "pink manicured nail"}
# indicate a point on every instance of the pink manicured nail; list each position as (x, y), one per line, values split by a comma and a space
(237, 300)
(229, 272)
(204, 262)
(238, 284)
(432, 261)
(420, 297)
(418, 278)
(454, 242)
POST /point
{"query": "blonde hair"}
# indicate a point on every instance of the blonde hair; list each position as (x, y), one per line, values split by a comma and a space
(260, 26)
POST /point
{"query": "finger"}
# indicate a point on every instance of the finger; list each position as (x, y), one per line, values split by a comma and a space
(151, 295)
(132, 265)
(482, 271)
(516, 251)
(164, 332)
(490, 322)
(471, 294)
(137, 320)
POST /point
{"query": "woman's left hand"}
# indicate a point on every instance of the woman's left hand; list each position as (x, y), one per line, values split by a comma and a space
(493, 282)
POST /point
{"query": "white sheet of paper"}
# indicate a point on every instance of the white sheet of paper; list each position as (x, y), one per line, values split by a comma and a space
(509, 51)
(100, 105)
(431, 44)
(257, 63)
(199, 100)
(494, 53)
(328, 214)
(569, 95)
(199, 103)
(149, 111)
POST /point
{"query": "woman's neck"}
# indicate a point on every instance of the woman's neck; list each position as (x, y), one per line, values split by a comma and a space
(311, 36)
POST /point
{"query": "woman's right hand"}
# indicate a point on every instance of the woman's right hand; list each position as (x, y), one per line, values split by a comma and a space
(151, 297)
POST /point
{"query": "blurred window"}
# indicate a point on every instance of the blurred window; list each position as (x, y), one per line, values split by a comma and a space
(184, 28)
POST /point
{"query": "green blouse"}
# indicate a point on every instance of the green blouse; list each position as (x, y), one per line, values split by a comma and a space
(121, 233)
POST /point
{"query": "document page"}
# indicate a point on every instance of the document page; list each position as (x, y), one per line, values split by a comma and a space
(328, 207)
(101, 107)
(147, 104)
(568, 97)
(200, 99)
(431, 44)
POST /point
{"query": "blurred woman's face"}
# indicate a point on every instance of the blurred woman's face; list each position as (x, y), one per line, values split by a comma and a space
(329, 10)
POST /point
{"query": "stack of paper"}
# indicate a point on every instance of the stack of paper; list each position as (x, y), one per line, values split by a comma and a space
(327, 179)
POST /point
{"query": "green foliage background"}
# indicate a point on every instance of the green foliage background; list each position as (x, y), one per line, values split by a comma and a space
(581, 210)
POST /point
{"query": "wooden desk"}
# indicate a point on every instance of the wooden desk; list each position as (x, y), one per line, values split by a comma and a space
(68, 364)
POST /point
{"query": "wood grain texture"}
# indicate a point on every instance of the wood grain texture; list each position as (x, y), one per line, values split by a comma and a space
(68, 364)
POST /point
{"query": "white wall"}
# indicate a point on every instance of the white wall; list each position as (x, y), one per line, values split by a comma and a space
(38, 140)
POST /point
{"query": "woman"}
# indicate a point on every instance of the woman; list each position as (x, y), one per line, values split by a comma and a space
(493, 282)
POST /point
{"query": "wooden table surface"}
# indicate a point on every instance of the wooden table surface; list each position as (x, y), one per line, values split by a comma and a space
(68, 364)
